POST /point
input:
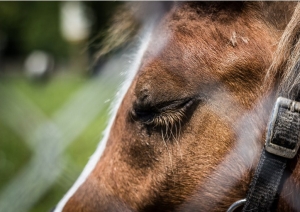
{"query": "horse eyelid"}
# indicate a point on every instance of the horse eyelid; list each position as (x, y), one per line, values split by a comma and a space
(165, 113)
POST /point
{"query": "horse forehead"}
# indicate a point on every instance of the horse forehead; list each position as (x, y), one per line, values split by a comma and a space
(178, 43)
(178, 51)
(175, 51)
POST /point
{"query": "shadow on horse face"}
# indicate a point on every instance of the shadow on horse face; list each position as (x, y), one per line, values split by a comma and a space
(190, 128)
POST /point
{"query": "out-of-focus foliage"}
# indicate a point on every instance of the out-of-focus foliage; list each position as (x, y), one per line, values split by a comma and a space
(31, 25)
(74, 105)
(36, 25)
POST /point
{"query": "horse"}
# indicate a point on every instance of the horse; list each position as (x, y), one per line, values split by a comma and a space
(190, 123)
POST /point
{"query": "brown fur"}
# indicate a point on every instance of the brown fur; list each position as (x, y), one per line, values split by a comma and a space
(214, 59)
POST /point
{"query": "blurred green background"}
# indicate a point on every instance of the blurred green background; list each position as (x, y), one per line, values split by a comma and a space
(53, 103)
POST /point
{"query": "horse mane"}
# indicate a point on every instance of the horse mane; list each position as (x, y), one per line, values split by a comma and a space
(126, 23)
(284, 73)
(122, 27)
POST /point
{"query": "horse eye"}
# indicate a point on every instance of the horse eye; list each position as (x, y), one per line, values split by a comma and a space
(162, 114)
(145, 116)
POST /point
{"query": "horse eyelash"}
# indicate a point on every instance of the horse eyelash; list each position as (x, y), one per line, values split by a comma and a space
(169, 122)
(166, 118)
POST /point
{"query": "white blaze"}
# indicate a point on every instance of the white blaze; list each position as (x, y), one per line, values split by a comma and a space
(145, 37)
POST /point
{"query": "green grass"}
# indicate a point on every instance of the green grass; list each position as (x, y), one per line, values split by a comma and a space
(49, 97)
(14, 153)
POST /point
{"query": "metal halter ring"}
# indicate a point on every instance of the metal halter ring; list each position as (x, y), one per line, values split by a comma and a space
(236, 205)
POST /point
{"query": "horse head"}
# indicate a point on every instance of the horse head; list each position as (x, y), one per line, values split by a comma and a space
(189, 129)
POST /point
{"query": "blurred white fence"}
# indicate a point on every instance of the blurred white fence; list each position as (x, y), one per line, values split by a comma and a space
(47, 137)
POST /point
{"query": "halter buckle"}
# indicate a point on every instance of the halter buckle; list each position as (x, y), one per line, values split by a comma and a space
(283, 137)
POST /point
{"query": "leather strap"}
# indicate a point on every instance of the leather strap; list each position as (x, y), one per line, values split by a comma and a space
(264, 185)
(282, 144)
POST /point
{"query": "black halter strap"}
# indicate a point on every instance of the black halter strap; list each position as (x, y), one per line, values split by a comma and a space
(282, 144)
